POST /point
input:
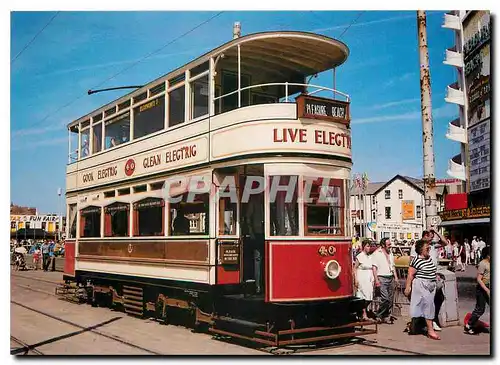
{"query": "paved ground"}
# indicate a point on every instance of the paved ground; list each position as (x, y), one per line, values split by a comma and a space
(103, 331)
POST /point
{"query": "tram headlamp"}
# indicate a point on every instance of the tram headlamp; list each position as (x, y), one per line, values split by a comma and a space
(332, 269)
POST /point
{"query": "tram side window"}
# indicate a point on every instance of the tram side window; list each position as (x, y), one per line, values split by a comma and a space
(189, 217)
(73, 144)
(116, 220)
(97, 138)
(90, 222)
(323, 210)
(117, 130)
(176, 106)
(149, 217)
(284, 206)
(72, 221)
(199, 97)
(149, 117)
(84, 146)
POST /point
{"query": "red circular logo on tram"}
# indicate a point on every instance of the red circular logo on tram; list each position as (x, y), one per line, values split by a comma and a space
(129, 167)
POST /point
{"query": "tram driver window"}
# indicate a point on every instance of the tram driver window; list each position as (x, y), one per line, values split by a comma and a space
(189, 217)
(284, 206)
(117, 130)
(323, 210)
(149, 217)
(116, 220)
(90, 222)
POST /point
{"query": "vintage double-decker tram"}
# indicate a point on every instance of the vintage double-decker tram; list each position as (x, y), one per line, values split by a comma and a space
(244, 113)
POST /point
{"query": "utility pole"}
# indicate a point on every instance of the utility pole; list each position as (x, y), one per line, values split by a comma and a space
(432, 219)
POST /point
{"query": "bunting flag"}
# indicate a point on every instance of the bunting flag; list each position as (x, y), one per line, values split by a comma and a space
(365, 180)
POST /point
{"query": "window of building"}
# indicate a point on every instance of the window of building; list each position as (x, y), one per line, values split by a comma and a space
(374, 216)
(149, 117)
(84, 143)
(419, 211)
(44, 226)
(324, 214)
(149, 215)
(386, 235)
(199, 97)
(408, 235)
(72, 221)
(416, 235)
(374, 201)
(116, 220)
(387, 194)
(13, 225)
(117, 130)
(400, 193)
(284, 209)
(394, 235)
(97, 138)
(189, 218)
(176, 105)
(28, 225)
(401, 236)
(90, 222)
(387, 212)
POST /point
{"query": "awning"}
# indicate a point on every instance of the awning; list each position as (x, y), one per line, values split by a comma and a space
(464, 221)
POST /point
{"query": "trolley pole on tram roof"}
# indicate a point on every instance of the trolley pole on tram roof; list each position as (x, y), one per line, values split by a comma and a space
(432, 219)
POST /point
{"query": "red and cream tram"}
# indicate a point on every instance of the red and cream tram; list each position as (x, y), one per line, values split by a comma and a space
(178, 190)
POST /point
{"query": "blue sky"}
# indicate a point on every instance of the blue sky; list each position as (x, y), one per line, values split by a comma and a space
(78, 51)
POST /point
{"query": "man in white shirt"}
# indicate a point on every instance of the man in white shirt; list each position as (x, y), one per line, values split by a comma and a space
(480, 245)
(385, 278)
(474, 245)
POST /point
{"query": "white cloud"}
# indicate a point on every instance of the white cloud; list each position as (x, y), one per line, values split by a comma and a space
(36, 131)
(362, 24)
(398, 79)
(44, 142)
(396, 103)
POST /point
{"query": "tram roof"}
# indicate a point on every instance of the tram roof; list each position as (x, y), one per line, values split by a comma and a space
(284, 51)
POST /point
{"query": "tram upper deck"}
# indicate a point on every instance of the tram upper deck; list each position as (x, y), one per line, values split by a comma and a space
(249, 97)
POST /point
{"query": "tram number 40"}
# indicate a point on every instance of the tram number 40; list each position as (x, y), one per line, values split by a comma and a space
(327, 251)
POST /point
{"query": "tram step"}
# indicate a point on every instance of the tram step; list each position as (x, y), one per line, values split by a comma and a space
(133, 306)
(132, 297)
(132, 289)
(133, 300)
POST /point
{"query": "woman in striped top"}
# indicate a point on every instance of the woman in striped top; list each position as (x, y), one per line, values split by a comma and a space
(421, 284)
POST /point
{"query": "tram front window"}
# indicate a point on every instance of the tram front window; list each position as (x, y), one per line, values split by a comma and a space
(189, 218)
(323, 208)
(284, 206)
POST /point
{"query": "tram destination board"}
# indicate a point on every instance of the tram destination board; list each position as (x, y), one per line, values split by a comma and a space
(229, 254)
(321, 108)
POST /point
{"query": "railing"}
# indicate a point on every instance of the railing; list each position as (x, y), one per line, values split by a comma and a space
(286, 84)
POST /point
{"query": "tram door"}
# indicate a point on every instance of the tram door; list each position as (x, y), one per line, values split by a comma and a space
(252, 233)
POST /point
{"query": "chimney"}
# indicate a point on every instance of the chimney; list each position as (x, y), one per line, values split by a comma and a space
(236, 30)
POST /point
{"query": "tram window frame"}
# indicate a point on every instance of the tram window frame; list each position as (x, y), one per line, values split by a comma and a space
(90, 221)
(225, 203)
(72, 221)
(74, 135)
(149, 126)
(117, 122)
(180, 104)
(291, 231)
(200, 200)
(194, 83)
(85, 143)
(246, 81)
(113, 217)
(154, 213)
(124, 191)
(97, 137)
(312, 202)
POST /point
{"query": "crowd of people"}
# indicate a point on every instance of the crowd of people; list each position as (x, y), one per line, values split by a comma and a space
(43, 252)
(375, 271)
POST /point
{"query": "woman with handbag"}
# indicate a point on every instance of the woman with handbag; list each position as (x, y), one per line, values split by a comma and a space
(421, 285)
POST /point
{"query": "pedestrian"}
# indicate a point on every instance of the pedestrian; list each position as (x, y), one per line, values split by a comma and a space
(480, 245)
(467, 252)
(460, 256)
(52, 256)
(36, 256)
(421, 287)
(45, 255)
(364, 275)
(385, 278)
(482, 291)
(474, 245)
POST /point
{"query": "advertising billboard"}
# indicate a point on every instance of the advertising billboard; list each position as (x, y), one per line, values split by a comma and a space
(408, 209)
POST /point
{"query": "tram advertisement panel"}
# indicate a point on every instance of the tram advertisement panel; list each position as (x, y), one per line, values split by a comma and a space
(296, 270)
(282, 136)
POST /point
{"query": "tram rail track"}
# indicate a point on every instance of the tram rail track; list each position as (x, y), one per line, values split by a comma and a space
(36, 279)
(25, 349)
(87, 328)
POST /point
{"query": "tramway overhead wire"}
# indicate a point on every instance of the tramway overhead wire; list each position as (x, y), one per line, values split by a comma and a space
(129, 67)
(352, 23)
(33, 39)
